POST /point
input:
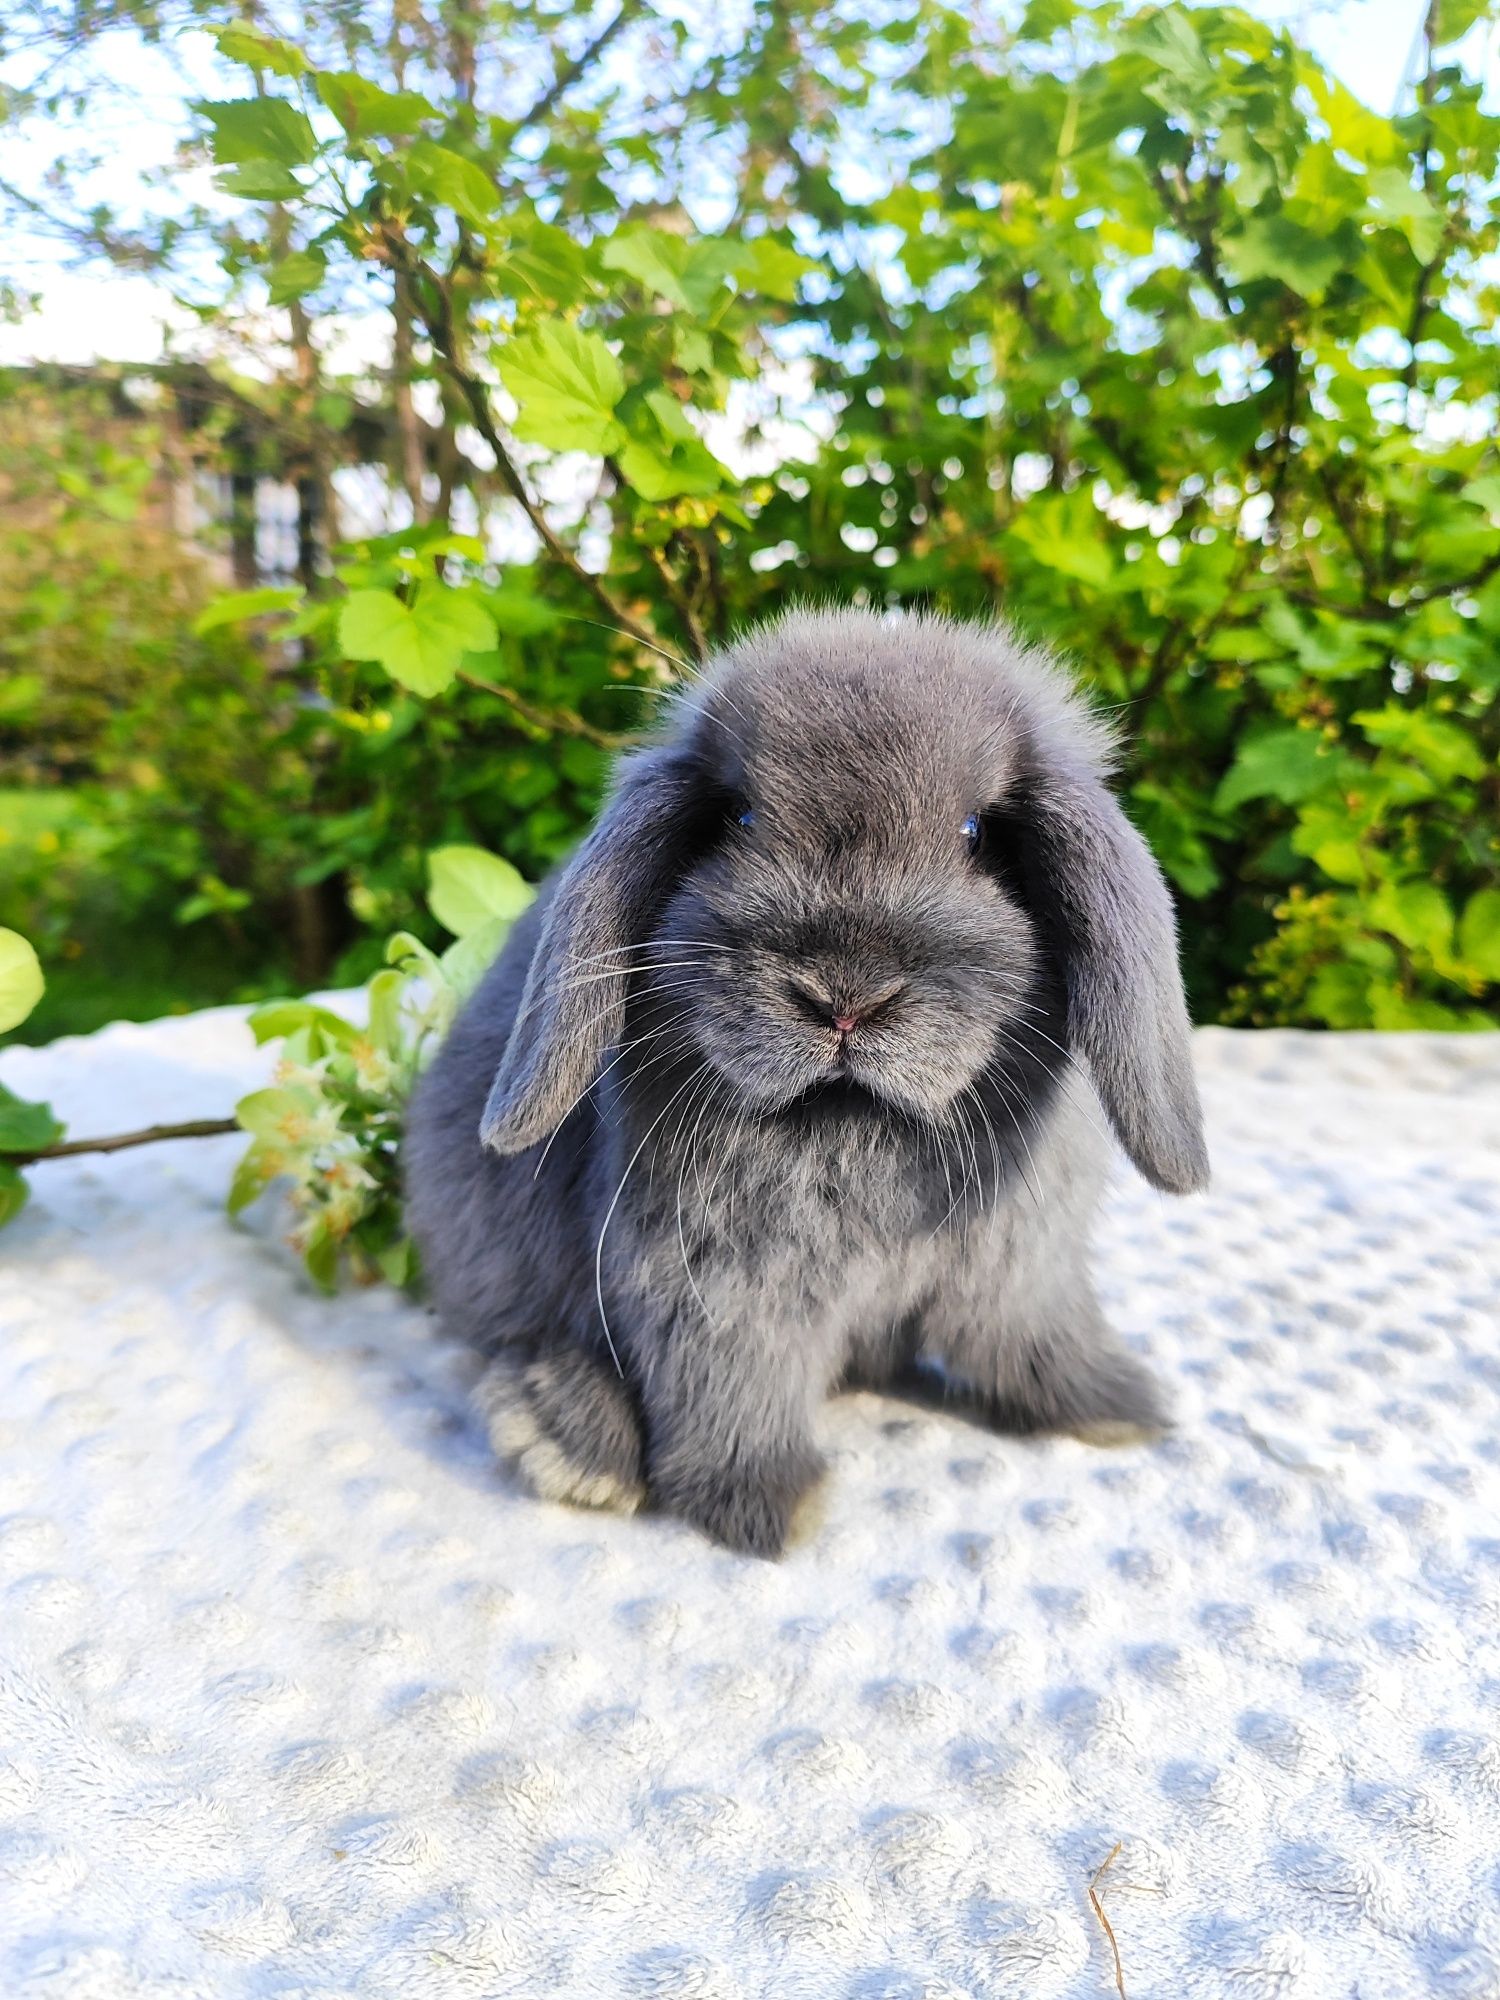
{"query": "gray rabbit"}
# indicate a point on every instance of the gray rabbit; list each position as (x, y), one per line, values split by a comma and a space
(787, 1081)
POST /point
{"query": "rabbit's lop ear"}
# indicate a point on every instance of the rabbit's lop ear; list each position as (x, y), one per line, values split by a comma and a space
(573, 1004)
(1126, 1013)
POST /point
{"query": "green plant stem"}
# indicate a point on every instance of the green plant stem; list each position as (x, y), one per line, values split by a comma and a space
(553, 721)
(193, 1128)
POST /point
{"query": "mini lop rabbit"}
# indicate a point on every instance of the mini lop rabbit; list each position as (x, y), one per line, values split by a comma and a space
(787, 1080)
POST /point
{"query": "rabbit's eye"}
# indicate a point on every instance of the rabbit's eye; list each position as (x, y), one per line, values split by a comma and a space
(973, 833)
(745, 817)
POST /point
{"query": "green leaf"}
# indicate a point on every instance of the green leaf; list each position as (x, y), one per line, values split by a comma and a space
(397, 1261)
(1485, 493)
(385, 989)
(420, 645)
(1323, 833)
(671, 416)
(520, 616)
(21, 981)
(692, 350)
(412, 955)
(242, 43)
(1285, 764)
(259, 128)
(240, 605)
(279, 1018)
(449, 178)
(1417, 914)
(295, 276)
(1440, 747)
(320, 1254)
(13, 1192)
(1454, 18)
(213, 898)
(260, 180)
(650, 256)
(254, 1174)
(1064, 532)
(547, 260)
(366, 111)
(466, 962)
(772, 270)
(415, 546)
(1396, 204)
(1274, 246)
(668, 460)
(467, 887)
(1479, 934)
(279, 1116)
(681, 470)
(26, 1127)
(1364, 134)
(566, 384)
(707, 268)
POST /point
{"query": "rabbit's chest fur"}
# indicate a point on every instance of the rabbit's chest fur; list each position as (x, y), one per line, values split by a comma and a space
(841, 1232)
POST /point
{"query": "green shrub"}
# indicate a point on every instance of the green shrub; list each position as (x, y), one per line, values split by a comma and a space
(1133, 326)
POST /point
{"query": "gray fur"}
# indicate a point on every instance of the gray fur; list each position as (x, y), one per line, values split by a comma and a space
(698, 1208)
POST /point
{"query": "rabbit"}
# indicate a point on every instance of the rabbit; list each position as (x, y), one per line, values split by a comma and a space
(791, 1079)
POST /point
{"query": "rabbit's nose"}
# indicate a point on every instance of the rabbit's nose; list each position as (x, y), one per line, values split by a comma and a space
(844, 1010)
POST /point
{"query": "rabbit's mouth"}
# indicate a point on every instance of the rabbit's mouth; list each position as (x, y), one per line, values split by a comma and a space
(840, 1096)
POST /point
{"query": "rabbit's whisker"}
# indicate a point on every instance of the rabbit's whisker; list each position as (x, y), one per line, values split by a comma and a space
(996, 1162)
(980, 1125)
(688, 1156)
(593, 979)
(609, 1217)
(639, 1041)
(1030, 1028)
(1021, 1135)
(654, 944)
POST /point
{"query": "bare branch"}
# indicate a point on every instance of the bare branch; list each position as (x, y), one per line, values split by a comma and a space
(550, 721)
(195, 1128)
(569, 74)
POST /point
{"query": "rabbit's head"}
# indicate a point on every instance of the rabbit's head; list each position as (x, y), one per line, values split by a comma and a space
(868, 860)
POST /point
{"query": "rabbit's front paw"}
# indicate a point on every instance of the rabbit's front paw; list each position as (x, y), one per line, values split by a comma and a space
(570, 1424)
(743, 1503)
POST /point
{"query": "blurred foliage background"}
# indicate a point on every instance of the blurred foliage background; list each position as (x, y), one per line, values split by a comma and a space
(535, 351)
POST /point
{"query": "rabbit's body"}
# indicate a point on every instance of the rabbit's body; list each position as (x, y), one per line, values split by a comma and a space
(802, 1104)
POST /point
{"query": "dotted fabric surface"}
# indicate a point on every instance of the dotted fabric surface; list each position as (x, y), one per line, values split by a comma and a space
(300, 1695)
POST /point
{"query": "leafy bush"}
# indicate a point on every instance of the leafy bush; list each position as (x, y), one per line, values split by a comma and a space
(189, 817)
(328, 1128)
(331, 1122)
(1130, 323)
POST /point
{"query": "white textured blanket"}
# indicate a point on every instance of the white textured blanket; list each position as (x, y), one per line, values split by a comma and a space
(300, 1695)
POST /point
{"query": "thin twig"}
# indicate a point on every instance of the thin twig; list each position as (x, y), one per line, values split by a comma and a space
(444, 337)
(194, 1128)
(569, 74)
(1098, 1875)
(682, 604)
(556, 721)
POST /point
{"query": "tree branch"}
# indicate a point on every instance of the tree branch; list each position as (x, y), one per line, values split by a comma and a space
(569, 74)
(552, 722)
(1379, 611)
(195, 1128)
(681, 604)
(444, 336)
(1345, 518)
(1199, 231)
